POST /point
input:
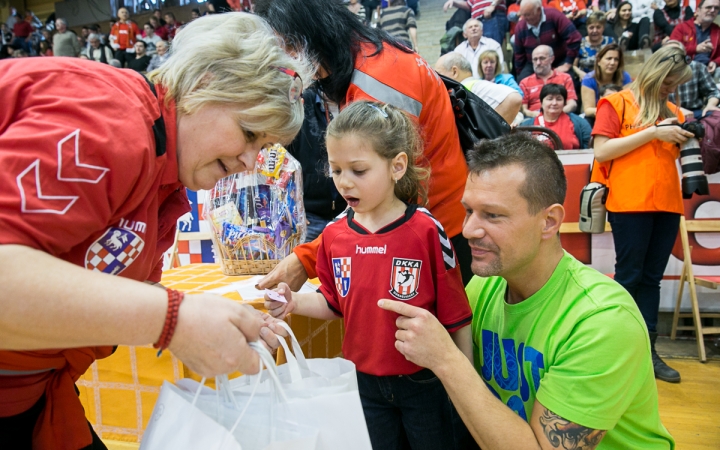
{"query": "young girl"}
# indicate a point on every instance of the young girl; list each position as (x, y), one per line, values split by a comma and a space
(386, 246)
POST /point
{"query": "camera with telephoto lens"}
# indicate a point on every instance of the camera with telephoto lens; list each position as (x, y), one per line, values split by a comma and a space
(694, 180)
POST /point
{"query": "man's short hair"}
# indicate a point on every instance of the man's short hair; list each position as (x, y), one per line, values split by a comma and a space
(196, 11)
(60, 19)
(144, 44)
(545, 182)
(148, 24)
(537, 3)
(456, 59)
(467, 23)
(169, 14)
(93, 37)
(549, 49)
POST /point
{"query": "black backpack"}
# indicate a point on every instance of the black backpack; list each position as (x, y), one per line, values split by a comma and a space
(475, 119)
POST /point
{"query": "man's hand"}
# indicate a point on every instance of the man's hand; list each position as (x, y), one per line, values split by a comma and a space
(447, 5)
(290, 270)
(212, 335)
(704, 47)
(489, 11)
(709, 108)
(420, 337)
(564, 67)
(712, 65)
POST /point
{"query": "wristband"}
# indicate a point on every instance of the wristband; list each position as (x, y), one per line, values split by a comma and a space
(174, 300)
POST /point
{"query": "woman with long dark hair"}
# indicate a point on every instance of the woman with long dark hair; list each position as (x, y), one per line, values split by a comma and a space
(609, 69)
(637, 134)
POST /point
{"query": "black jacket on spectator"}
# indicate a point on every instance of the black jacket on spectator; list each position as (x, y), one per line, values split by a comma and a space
(319, 193)
(138, 64)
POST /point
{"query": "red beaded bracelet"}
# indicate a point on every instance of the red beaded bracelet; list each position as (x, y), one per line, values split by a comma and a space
(174, 300)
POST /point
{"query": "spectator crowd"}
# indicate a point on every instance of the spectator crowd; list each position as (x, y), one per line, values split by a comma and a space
(127, 44)
(573, 52)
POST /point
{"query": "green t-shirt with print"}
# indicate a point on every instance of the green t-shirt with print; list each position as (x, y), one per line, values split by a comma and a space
(584, 352)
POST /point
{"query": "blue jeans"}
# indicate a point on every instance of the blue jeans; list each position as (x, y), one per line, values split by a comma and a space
(411, 412)
(315, 227)
(643, 243)
(495, 27)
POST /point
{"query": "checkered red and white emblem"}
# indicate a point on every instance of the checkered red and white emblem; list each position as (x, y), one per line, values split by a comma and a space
(341, 270)
(114, 251)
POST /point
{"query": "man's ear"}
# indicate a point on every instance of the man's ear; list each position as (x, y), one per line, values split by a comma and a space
(553, 218)
(454, 72)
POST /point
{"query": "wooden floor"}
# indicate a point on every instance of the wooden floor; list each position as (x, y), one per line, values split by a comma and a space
(690, 410)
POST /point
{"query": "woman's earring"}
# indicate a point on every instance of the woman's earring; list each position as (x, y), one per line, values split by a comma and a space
(396, 180)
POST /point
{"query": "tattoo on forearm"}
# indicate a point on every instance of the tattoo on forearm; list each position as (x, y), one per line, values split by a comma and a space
(567, 435)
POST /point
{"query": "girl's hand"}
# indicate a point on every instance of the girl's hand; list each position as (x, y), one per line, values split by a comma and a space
(280, 309)
(669, 131)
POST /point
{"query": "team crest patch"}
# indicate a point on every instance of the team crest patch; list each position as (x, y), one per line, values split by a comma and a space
(341, 270)
(405, 278)
(114, 251)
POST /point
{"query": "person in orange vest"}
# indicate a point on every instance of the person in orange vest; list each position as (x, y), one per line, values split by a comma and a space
(636, 145)
(123, 35)
(92, 182)
(356, 62)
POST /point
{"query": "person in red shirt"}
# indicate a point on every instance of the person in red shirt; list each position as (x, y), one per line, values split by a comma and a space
(542, 59)
(123, 35)
(573, 130)
(22, 31)
(160, 30)
(385, 244)
(93, 181)
(361, 63)
(172, 25)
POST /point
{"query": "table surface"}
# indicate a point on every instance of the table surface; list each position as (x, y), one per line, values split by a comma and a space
(199, 278)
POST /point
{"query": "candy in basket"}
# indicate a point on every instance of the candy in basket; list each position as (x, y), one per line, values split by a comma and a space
(257, 217)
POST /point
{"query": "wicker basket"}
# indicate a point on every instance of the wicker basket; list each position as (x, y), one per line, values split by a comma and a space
(239, 262)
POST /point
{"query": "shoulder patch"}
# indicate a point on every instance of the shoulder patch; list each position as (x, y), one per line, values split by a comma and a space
(445, 246)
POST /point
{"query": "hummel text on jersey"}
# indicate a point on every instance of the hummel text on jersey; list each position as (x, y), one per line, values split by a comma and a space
(370, 250)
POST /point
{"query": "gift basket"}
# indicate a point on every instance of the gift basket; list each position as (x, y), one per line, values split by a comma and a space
(257, 217)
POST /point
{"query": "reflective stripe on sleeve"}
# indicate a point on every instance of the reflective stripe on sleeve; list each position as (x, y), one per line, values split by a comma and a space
(384, 93)
(22, 372)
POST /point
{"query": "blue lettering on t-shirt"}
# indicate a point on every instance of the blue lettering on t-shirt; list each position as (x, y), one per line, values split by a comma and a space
(515, 382)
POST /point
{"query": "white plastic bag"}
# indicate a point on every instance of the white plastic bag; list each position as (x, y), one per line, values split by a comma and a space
(321, 394)
(190, 416)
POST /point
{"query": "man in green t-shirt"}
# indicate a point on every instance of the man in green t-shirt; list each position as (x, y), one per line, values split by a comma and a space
(562, 355)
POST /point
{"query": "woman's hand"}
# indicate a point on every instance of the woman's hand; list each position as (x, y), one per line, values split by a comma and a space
(270, 331)
(669, 131)
(290, 270)
(280, 309)
(213, 333)
(610, 15)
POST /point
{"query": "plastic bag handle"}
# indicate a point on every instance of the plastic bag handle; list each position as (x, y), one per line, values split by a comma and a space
(292, 362)
(297, 350)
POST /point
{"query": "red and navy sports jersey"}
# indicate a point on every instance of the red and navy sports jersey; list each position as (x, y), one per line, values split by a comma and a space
(81, 177)
(410, 260)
